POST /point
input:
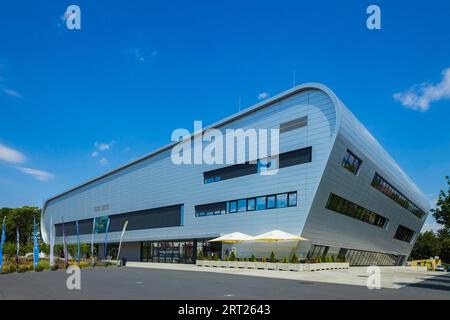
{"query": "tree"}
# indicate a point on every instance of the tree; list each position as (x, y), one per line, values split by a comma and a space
(21, 218)
(427, 245)
(442, 211)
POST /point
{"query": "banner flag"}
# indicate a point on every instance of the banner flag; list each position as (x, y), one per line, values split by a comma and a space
(121, 238)
(92, 242)
(36, 245)
(52, 242)
(17, 247)
(2, 242)
(78, 242)
(106, 238)
(66, 258)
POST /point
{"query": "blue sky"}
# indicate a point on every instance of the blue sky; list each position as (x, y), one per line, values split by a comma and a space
(75, 104)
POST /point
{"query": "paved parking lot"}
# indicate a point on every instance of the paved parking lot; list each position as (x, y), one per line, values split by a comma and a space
(163, 284)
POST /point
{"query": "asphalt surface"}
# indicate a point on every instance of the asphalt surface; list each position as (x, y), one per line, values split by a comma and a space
(134, 283)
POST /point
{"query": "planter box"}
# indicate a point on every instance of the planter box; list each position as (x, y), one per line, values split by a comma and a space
(203, 263)
(261, 265)
(215, 264)
(295, 267)
(271, 266)
(282, 266)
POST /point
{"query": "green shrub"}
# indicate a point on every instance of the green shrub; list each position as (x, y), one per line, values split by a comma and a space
(233, 256)
(83, 264)
(200, 256)
(23, 268)
(294, 259)
(253, 258)
(285, 260)
(272, 257)
(55, 267)
(263, 259)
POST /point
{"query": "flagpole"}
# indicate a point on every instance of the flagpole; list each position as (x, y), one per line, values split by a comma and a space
(121, 238)
(106, 238)
(17, 248)
(78, 241)
(92, 242)
(66, 258)
(2, 242)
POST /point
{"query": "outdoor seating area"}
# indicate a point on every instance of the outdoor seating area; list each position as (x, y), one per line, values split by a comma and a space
(292, 263)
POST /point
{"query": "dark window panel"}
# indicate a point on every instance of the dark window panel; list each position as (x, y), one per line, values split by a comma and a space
(294, 124)
(350, 209)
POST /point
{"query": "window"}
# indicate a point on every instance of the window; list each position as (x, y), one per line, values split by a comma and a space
(294, 124)
(261, 203)
(242, 205)
(351, 162)
(292, 202)
(233, 207)
(404, 234)
(350, 209)
(282, 200)
(270, 202)
(286, 159)
(251, 204)
(230, 172)
(385, 187)
(267, 164)
(296, 157)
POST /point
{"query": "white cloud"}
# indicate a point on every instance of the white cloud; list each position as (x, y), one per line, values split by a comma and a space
(38, 174)
(431, 226)
(104, 161)
(102, 146)
(10, 155)
(94, 154)
(12, 93)
(263, 95)
(420, 96)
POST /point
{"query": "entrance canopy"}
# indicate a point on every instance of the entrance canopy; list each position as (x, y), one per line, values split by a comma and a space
(277, 235)
(233, 238)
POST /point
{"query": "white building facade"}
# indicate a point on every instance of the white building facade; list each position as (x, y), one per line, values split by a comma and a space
(336, 186)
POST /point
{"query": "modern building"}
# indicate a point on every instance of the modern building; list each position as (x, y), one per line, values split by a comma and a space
(336, 186)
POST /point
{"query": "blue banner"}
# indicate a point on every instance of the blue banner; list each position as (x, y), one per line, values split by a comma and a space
(17, 246)
(2, 243)
(106, 238)
(36, 245)
(78, 241)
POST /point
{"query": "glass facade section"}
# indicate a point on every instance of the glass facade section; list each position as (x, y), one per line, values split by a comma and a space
(350, 209)
(386, 188)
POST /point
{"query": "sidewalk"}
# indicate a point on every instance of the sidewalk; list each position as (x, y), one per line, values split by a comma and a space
(391, 277)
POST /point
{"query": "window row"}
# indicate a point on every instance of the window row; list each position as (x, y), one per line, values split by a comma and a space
(287, 159)
(369, 258)
(281, 200)
(350, 209)
(385, 187)
(294, 124)
(404, 234)
(351, 162)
